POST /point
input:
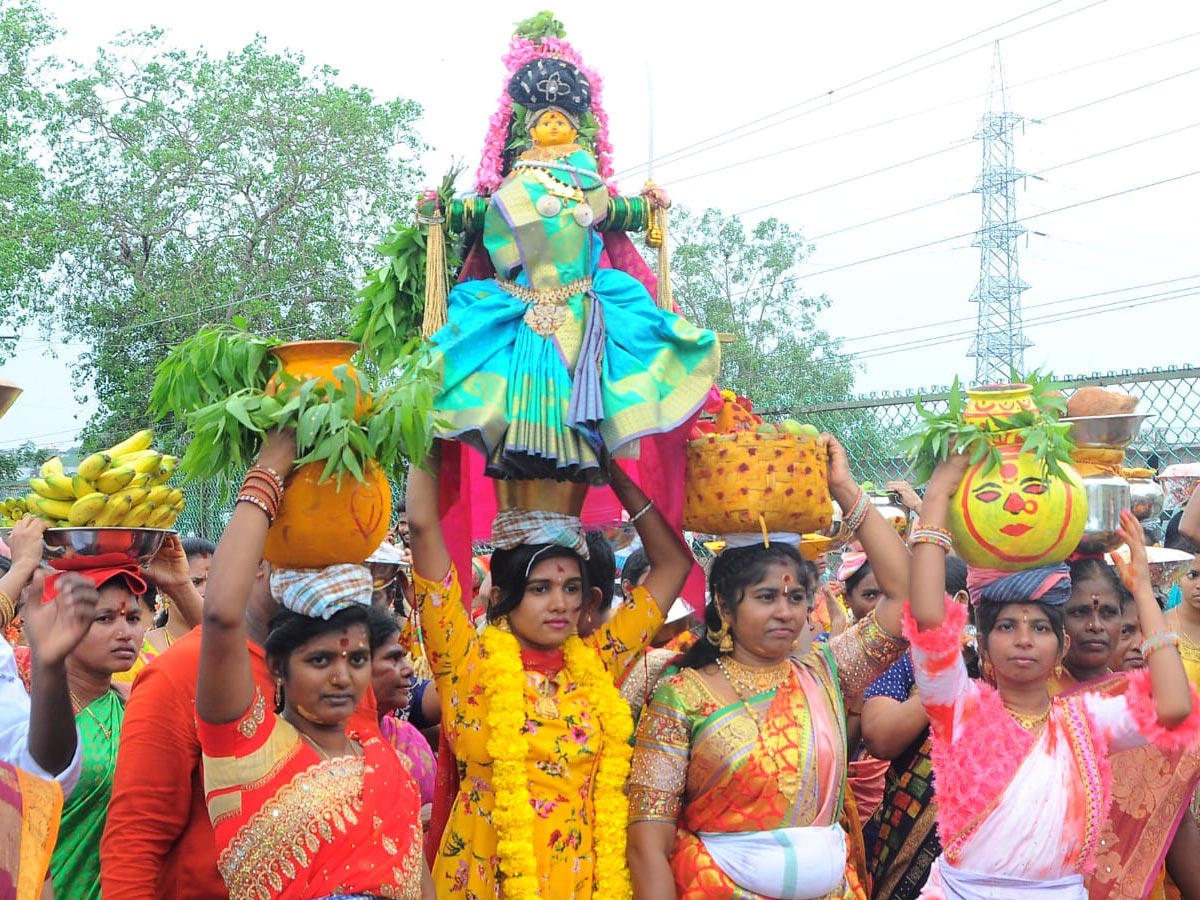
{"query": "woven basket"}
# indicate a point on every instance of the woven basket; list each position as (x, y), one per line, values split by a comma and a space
(732, 479)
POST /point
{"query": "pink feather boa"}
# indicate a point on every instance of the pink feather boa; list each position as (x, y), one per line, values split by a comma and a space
(1140, 696)
(989, 747)
(521, 51)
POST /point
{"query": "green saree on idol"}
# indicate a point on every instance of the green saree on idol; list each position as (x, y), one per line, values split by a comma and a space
(557, 361)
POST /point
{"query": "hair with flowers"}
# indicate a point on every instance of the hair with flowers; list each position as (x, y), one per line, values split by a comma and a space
(499, 137)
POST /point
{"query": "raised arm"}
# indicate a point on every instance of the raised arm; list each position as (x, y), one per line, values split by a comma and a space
(1172, 694)
(670, 559)
(169, 572)
(928, 589)
(53, 629)
(1189, 522)
(430, 557)
(885, 549)
(225, 686)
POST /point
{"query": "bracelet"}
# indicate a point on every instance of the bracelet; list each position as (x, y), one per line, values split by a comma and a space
(931, 534)
(858, 512)
(264, 484)
(270, 505)
(641, 512)
(1158, 640)
(254, 501)
(275, 477)
(8, 612)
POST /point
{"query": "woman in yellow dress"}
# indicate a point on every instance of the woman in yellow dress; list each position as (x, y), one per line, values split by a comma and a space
(538, 729)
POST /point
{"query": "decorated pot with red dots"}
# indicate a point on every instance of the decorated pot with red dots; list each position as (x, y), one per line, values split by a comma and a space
(748, 480)
(1013, 515)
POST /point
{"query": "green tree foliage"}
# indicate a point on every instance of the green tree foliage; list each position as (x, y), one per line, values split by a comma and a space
(741, 281)
(17, 462)
(26, 238)
(190, 189)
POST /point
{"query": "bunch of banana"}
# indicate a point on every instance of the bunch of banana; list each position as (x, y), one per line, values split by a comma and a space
(12, 511)
(124, 486)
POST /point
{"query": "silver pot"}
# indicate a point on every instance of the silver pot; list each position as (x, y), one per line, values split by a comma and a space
(1146, 498)
(837, 531)
(892, 510)
(1106, 495)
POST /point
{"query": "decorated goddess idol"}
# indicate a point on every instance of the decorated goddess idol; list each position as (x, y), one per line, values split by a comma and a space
(553, 357)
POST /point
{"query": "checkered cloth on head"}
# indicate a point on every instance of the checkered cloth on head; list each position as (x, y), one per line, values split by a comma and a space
(322, 592)
(1045, 584)
(514, 527)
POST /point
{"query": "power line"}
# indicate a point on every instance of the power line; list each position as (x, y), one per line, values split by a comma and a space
(1042, 305)
(1048, 319)
(966, 141)
(1039, 172)
(965, 234)
(917, 113)
(675, 155)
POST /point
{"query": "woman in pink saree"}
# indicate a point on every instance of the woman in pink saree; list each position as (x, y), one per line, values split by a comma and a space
(1024, 784)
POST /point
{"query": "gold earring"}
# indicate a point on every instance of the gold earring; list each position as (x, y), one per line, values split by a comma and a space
(278, 694)
(989, 674)
(503, 624)
(719, 637)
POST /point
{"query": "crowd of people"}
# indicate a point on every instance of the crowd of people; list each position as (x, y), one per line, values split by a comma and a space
(937, 733)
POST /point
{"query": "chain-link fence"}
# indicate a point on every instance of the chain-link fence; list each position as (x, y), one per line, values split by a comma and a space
(870, 426)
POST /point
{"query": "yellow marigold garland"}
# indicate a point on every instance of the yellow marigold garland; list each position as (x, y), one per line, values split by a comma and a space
(504, 687)
(612, 805)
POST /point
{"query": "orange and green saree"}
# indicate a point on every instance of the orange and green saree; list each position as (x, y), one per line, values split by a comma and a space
(761, 782)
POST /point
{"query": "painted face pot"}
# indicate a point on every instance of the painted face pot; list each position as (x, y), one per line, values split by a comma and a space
(1012, 516)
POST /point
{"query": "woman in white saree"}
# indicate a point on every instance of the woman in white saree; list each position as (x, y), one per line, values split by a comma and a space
(1023, 781)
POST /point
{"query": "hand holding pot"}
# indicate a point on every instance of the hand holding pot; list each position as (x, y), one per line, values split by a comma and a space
(842, 485)
(1135, 574)
(279, 452)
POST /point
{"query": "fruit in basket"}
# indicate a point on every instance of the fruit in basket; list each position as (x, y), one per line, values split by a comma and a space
(124, 486)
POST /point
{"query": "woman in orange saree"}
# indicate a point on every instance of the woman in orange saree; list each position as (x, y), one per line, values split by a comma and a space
(29, 811)
(738, 782)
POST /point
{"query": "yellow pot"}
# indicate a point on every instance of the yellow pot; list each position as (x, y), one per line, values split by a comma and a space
(990, 405)
(1009, 516)
(319, 523)
(316, 359)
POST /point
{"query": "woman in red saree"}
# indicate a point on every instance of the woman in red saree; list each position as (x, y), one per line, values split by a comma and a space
(738, 785)
(302, 807)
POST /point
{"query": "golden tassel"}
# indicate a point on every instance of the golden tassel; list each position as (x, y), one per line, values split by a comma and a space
(665, 300)
(435, 272)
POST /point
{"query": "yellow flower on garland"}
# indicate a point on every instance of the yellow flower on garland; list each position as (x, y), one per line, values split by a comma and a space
(504, 688)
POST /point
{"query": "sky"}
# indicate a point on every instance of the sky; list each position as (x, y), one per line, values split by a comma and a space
(840, 119)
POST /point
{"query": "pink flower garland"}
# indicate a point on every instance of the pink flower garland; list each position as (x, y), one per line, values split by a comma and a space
(521, 51)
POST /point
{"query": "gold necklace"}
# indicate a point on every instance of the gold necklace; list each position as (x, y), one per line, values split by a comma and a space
(759, 681)
(325, 754)
(545, 706)
(751, 680)
(1029, 723)
(79, 707)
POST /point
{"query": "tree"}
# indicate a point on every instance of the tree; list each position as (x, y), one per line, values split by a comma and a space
(743, 282)
(190, 189)
(26, 243)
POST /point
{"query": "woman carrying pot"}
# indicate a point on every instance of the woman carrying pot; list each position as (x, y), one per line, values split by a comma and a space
(302, 806)
(536, 724)
(739, 773)
(996, 748)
